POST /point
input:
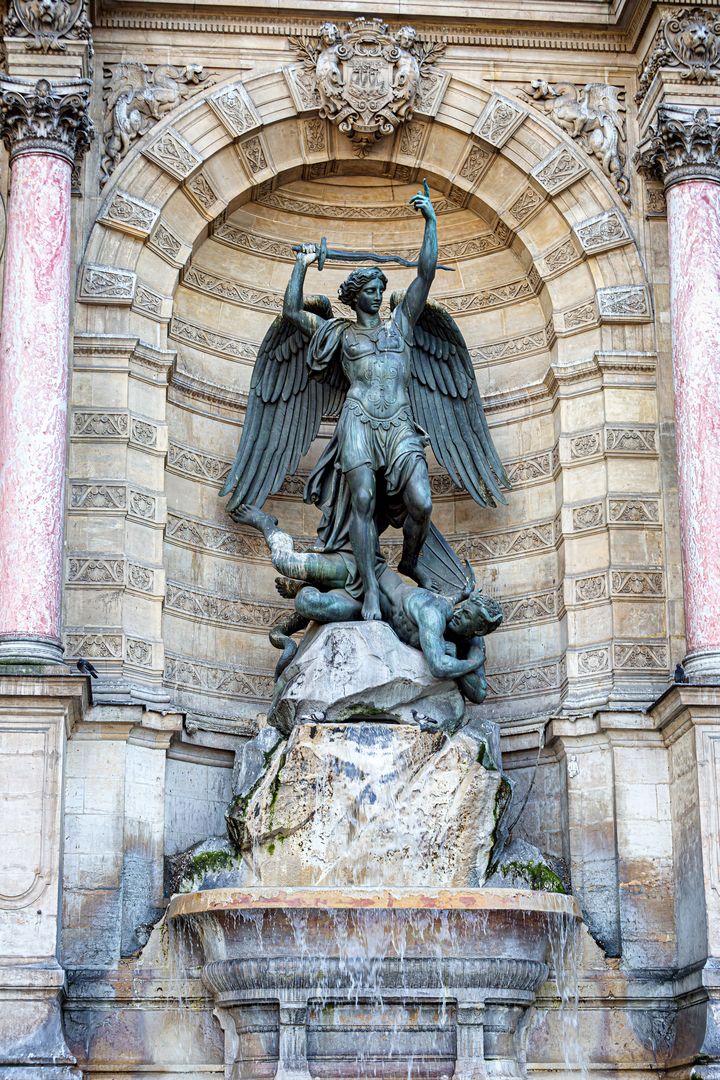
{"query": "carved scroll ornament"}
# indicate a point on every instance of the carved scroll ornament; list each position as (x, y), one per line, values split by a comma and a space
(688, 41)
(368, 80)
(594, 115)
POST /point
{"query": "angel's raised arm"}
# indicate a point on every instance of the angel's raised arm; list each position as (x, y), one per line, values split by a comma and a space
(418, 291)
(293, 304)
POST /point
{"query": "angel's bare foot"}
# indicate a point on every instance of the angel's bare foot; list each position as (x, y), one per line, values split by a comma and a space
(371, 606)
(289, 587)
(416, 572)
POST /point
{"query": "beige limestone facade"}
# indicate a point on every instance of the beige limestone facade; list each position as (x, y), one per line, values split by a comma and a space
(211, 159)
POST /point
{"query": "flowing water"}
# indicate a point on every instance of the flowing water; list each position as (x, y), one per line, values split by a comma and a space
(564, 937)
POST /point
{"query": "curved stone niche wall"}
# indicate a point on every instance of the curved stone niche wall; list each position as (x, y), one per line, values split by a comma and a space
(183, 273)
(220, 599)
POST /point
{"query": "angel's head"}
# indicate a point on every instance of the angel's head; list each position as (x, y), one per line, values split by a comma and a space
(476, 616)
(329, 35)
(364, 289)
(405, 37)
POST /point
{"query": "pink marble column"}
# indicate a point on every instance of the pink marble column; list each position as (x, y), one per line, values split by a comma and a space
(694, 231)
(34, 363)
(682, 148)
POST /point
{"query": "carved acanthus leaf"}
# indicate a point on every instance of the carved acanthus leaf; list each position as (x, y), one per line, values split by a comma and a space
(593, 115)
(683, 144)
(47, 117)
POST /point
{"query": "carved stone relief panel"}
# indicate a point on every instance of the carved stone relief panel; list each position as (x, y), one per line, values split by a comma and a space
(689, 42)
(106, 285)
(168, 245)
(558, 170)
(624, 303)
(136, 96)
(235, 109)
(46, 26)
(129, 214)
(499, 120)
(173, 153)
(593, 115)
(202, 193)
(527, 203)
(366, 79)
(603, 232)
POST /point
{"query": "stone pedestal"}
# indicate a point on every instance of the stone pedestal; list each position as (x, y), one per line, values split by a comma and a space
(36, 715)
(689, 719)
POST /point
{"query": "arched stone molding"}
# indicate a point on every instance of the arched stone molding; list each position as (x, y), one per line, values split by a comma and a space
(564, 222)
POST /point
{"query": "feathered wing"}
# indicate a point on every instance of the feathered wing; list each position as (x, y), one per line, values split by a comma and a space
(285, 406)
(446, 403)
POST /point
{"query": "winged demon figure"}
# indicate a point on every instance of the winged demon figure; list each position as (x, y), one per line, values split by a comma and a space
(395, 385)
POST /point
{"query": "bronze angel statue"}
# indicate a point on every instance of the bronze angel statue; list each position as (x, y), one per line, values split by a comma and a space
(395, 386)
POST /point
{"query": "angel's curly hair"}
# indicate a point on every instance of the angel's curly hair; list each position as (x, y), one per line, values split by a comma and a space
(351, 286)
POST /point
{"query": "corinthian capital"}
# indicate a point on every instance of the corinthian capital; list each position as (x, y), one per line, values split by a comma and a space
(45, 117)
(683, 144)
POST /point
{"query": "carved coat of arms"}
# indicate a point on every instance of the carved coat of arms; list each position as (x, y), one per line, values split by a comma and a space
(368, 80)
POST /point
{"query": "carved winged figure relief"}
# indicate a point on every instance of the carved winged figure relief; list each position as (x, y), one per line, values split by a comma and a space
(593, 114)
(136, 97)
(394, 386)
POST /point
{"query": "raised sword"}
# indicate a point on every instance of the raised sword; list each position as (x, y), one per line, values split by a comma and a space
(324, 253)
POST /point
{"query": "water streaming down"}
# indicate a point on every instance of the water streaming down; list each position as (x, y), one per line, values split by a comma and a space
(352, 933)
(564, 938)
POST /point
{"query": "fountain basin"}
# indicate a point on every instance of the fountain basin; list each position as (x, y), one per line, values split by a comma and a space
(373, 982)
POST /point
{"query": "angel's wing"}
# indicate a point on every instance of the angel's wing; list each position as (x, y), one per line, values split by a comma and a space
(285, 406)
(130, 78)
(446, 403)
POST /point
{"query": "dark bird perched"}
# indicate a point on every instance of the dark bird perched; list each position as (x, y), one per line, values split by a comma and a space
(680, 676)
(86, 668)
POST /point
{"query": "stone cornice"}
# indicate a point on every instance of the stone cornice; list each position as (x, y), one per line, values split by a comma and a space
(682, 144)
(45, 117)
(494, 30)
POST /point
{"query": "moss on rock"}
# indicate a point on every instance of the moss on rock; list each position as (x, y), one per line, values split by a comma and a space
(536, 875)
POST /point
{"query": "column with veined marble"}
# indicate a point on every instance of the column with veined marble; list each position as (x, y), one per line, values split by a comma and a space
(45, 126)
(683, 150)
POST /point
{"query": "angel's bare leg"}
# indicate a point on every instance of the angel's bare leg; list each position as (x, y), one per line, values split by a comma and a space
(315, 567)
(363, 535)
(418, 503)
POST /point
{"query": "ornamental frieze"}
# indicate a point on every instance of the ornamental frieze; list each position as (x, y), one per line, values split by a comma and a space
(366, 79)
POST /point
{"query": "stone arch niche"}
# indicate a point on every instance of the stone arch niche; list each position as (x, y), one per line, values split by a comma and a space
(183, 271)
